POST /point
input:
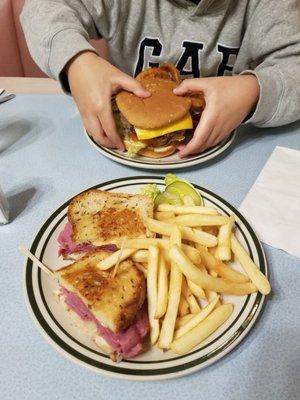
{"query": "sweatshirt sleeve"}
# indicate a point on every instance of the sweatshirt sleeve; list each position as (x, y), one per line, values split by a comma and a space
(55, 31)
(272, 43)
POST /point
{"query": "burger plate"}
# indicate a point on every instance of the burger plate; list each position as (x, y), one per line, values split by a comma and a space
(171, 162)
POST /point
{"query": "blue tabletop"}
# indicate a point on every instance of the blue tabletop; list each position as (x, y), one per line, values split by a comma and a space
(44, 160)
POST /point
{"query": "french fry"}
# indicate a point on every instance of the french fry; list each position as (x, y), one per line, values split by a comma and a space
(137, 244)
(212, 250)
(140, 256)
(168, 324)
(142, 269)
(183, 307)
(188, 209)
(192, 302)
(194, 220)
(196, 319)
(152, 292)
(180, 321)
(162, 294)
(204, 329)
(163, 215)
(112, 260)
(213, 230)
(206, 281)
(223, 250)
(164, 228)
(222, 269)
(196, 290)
(203, 238)
(210, 294)
(251, 269)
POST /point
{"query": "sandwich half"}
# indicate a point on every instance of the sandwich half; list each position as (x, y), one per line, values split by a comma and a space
(101, 220)
(109, 309)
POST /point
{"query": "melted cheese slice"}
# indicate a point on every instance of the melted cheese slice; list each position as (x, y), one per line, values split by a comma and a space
(184, 123)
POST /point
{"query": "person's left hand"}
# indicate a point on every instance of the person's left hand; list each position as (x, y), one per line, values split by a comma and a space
(228, 102)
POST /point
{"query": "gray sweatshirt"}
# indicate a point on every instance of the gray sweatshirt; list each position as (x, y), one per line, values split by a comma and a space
(213, 38)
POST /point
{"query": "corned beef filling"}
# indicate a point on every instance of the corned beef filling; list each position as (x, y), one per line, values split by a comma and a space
(67, 246)
(128, 342)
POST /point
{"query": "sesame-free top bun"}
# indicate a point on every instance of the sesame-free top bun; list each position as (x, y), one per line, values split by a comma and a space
(162, 108)
(164, 71)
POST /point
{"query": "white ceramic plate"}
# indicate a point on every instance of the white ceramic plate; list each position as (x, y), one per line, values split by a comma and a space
(56, 326)
(170, 162)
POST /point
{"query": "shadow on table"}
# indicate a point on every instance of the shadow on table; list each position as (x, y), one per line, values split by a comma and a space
(248, 134)
(12, 132)
(19, 133)
(19, 200)
(26, 196)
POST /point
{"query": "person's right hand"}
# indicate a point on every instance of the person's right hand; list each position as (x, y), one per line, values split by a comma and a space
(93, 81)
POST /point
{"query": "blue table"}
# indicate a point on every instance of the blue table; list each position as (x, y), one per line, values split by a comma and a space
(44, 160)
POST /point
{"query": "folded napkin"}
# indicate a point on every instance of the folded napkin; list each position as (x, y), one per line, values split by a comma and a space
(272, 205)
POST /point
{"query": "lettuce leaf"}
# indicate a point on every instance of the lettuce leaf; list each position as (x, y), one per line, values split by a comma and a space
(134, 148)
(177, 137)
(150, 190)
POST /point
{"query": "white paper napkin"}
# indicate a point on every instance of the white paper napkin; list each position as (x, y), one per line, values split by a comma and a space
(272, 205)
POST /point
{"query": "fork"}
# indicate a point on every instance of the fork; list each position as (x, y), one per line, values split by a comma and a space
(7, 98)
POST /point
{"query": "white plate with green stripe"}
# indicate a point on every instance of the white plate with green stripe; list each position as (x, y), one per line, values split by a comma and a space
(56, 326)
(171, 162)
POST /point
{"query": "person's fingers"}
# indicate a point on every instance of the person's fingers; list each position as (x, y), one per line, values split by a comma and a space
(219, 133)
(132, 85)
(105, 116)
(192, 85)
(201, 134)
(94, 129)
(212, 140)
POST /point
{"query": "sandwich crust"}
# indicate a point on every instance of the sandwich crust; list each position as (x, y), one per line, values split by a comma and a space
(162, 108)
(99, 217)
(114, 301)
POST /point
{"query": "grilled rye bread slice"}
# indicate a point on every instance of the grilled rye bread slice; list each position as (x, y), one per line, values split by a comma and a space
(114, 301)
(100, 217)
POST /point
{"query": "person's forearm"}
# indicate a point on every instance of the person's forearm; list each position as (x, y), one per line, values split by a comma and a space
(279, 100)
(273, 47)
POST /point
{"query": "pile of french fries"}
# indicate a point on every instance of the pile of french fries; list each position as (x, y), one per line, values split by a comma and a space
(188, 268)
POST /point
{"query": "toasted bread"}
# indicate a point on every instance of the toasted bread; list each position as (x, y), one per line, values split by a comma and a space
(99, 217)
(88, 328)
(114, 301)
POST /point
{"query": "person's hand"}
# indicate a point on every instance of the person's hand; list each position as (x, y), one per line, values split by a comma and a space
(93, 81)
(228, 102)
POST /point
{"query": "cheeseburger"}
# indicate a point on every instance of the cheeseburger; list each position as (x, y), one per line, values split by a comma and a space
(155, 126)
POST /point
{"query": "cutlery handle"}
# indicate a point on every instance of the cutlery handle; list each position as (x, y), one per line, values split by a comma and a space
(7, 98)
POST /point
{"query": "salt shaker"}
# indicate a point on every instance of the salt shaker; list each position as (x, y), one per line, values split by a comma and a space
(4, 209)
